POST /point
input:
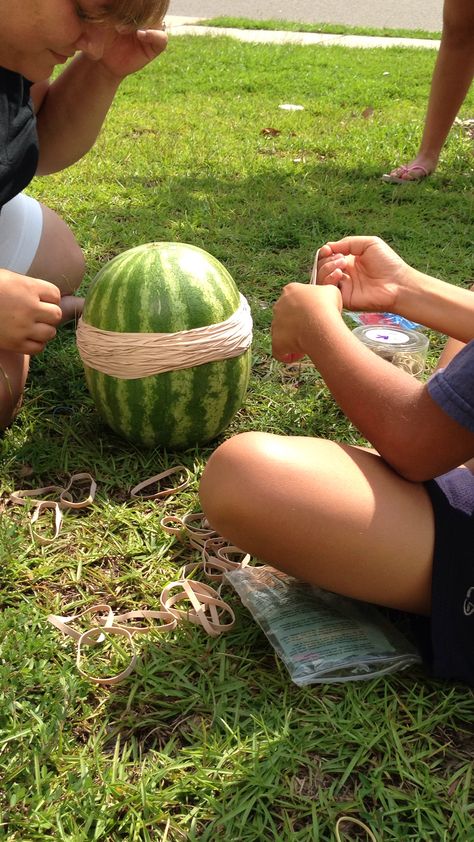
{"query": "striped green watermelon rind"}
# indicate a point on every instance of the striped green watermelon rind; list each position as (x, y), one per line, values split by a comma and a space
(168, 416)
(134, 307)
(177, 409)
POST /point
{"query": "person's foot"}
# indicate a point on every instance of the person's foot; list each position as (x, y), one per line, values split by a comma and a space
(72, 307)
(416, 170)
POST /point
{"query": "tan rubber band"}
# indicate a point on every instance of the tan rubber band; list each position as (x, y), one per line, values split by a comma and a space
(203, 598)
(42, 506)
(65, 500)
(214, 569)
(214, 549)
(227, 550)
(91, 636)
(110, 623)
(161, 494)
(34, 495)
(63, 623)
(207, 608)
(131, 356)
(182, 527)
(198, 535)
(169, 622)
(314, 272)
(215, 560)
(354, 821)
(173, 525)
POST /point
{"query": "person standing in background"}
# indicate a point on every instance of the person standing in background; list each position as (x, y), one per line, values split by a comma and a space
(452, 77)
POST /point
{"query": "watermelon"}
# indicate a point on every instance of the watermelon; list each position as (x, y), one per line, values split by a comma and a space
(166, 288)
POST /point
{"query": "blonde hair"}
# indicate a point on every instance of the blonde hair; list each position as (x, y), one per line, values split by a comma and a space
(137, 13)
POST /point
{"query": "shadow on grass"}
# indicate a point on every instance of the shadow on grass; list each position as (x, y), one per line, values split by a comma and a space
(225, 730)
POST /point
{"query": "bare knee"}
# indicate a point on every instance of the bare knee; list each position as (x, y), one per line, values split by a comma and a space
(225, 487)
(73, 267)
(59, 258)
(75, 271)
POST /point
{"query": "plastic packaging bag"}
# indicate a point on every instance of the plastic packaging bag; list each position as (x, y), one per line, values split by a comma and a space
(387, 319)
(321, 637)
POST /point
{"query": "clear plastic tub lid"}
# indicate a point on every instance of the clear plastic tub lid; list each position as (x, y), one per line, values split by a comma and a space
(379, 337)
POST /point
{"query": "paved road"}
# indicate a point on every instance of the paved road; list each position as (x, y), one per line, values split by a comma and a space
(426, 14)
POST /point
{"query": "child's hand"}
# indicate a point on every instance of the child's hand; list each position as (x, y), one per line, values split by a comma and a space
(127, 52)
(29, 313)
(296, 316)
(367, 271)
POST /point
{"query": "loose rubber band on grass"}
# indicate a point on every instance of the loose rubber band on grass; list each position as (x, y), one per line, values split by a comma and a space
(65, 500)
(165, 492)
(355, 821)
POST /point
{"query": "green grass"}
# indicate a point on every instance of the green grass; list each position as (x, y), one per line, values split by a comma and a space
(208, 739)
(329, 28)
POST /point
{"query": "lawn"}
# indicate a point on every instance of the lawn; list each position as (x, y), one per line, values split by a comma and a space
(330, 28)
(208, 739)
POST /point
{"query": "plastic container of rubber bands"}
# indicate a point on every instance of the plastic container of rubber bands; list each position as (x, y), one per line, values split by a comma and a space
(406, 349)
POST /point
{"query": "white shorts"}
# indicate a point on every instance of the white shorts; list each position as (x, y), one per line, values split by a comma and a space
(21, 225)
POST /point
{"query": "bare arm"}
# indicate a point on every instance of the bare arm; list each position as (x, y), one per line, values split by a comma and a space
(71, 113)
(371, 276)
(392, 410)
(72, 109)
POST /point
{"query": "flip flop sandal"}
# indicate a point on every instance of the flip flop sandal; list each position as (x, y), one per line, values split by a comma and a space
(405, 170)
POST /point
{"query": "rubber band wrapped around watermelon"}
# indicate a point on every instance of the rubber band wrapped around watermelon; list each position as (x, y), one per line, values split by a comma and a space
(165, 342)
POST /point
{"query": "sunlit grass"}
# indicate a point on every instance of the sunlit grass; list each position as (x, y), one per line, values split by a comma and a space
(207, 739)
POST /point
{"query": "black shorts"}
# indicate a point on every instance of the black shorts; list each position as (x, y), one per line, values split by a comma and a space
(450, 652)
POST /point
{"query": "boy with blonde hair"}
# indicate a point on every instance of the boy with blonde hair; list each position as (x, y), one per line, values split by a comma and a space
(45, 127)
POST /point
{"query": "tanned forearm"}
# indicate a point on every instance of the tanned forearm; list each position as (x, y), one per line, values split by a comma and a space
(72, 113)
(441, 306)
(391, 409)
(376, 396)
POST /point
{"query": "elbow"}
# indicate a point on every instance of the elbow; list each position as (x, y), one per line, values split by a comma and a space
(408, 459)
(409, 470)
(415, 473)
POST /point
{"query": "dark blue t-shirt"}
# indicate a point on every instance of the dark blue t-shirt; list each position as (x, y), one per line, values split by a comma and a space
(18, 136)
(453, 387)
(453, 390)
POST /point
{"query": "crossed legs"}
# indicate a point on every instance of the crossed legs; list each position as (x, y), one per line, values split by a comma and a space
(329, 514)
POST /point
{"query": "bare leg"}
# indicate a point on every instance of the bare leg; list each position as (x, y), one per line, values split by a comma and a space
(452, 347)
(329, 514)
(59, 260)
(452, 77)
(13, 374)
